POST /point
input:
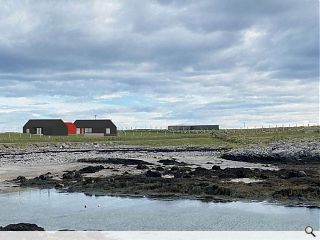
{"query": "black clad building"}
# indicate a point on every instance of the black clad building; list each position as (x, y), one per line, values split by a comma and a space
(53, 127)
(96, 127)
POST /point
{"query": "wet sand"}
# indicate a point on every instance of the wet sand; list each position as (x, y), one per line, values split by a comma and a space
(202, 173)
(34, 161)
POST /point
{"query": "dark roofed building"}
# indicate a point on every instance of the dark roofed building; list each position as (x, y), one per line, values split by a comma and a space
(193, 127)
(96, 127)
(54, 127)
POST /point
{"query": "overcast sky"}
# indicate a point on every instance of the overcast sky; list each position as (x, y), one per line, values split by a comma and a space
(151, 63)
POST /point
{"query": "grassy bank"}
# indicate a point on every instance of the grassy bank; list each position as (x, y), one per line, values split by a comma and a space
(223, 138)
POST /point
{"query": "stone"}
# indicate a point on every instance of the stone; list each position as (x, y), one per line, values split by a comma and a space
(91, 169)
(22, 227)
(21, 179)
(215, 167)
(150, 173)
(141, 166)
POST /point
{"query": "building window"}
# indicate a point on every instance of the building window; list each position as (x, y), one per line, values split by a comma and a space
(88, 130)
(27, 130)
(39, 131)
(107, 130)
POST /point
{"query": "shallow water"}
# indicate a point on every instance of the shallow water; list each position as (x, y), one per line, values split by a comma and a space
(53, 211)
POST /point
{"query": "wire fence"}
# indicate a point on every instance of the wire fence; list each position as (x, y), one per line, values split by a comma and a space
(136, 134)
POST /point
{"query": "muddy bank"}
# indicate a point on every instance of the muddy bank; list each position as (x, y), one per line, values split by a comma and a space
(289, 187)
(298, 152)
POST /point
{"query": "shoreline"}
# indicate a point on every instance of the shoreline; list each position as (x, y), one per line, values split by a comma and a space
(200, 173)
(160, 197)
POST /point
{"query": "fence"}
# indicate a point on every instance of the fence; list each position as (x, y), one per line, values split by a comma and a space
(153, 134)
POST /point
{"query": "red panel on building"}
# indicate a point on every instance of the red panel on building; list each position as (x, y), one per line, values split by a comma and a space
(72, 129)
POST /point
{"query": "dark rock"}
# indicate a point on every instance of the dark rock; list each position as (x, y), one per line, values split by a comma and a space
(216, 190)
(150, 173)
(301, 193)
(141, 166)
(91, 169)
(302, 174)
(45, 177)
(160, 169)
(123, 161)
(22, 227)
(200, 171)
(174, 168)
(171, 162)
(71, 175)
(286, 174)
(59, 185)
(21, 179)
(237, 173)
(215, 167)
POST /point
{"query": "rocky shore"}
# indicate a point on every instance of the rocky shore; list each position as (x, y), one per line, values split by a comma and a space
(282, 172)
(281, 152)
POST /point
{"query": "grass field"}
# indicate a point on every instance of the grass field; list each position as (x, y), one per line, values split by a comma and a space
(219, 138)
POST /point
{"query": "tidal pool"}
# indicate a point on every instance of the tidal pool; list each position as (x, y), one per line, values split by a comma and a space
(53, 211)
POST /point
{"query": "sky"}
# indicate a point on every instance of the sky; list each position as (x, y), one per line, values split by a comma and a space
(148, 63)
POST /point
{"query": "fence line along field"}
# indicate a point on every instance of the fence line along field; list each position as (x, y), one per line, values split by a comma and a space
(223, 138)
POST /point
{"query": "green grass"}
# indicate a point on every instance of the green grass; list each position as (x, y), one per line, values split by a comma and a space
(220, 138)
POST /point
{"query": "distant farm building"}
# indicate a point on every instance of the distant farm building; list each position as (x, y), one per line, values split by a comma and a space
(95, 127)
(193, 127)
(56, 127)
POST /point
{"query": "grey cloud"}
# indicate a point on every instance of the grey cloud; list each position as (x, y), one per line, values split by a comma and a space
(220, 51)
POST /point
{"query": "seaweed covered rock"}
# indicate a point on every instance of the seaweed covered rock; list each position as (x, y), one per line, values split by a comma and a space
(160, 169)
(91, 169)
(21, 179)
(71, 175)
(216, 190)
(287, 174)
(45, 177)
(297, 193)
(22, 227)
(150, 173)
(215, 167)
(171, 162)
(141, 166)
(200, 171)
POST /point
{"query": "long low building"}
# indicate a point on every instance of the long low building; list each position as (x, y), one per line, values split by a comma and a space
(53, 127)
(193, 127)
(95, 127)
(57, 127)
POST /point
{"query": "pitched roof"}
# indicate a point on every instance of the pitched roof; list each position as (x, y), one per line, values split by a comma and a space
(45, 122)
(93, 123)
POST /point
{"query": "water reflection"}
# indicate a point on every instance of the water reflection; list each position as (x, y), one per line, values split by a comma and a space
(54, 211)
